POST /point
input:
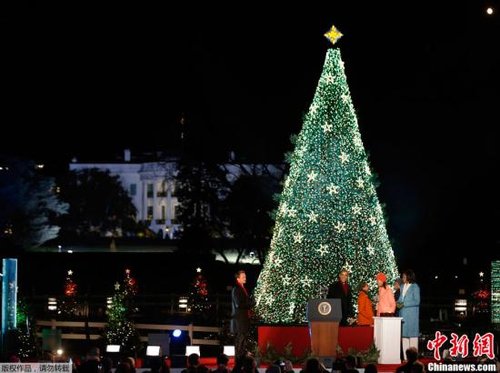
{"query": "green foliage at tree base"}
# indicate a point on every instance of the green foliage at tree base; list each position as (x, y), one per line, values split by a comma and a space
(364, 357)
(270, 354)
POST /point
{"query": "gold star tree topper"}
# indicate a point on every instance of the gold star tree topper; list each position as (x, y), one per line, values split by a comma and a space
(333, 35)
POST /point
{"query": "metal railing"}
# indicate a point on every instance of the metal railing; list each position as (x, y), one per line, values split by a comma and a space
(95, 330)
(93, 307)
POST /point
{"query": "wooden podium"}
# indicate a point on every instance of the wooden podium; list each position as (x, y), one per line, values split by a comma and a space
(324, 316)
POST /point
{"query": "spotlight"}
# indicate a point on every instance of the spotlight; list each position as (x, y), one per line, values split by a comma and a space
(192, 350)
(183, 304)
(113, 348)
(153, 351)
(52, 304)
(229, 351)
(177, 333)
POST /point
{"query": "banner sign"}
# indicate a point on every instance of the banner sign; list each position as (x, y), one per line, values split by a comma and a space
(35, 367)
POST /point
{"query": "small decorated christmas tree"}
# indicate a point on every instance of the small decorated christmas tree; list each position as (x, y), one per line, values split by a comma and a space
(25, 340)
(198, 297)
(69, 304)
(120, 329)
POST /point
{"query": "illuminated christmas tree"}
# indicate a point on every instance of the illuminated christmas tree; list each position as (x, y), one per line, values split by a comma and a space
(495, 292)
(69, 304)
(24, 339)
(130, 287)
(198, 297)
(120, 329)
(329, 217)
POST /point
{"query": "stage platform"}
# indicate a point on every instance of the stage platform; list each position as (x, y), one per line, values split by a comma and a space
(358, 338)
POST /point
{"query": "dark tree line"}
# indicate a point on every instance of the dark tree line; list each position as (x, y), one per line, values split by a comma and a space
(99, 205)
(29, 205)
(217, 212)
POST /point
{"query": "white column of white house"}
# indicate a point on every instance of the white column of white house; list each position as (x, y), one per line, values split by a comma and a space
(138, 202)
(168, 204)
(155, 201)
(170, 207)
(138, 198)
(144, 199)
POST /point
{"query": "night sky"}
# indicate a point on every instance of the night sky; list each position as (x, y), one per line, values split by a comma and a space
(424, 79)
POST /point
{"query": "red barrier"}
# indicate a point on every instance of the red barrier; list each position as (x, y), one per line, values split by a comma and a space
(357, 337)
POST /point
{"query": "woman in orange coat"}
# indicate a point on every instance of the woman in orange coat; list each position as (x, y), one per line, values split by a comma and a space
(365, 307)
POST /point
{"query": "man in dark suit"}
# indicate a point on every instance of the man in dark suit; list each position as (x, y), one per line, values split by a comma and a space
(341, 289)
(240, 317)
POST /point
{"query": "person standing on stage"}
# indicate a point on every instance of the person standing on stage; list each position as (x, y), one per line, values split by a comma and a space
(409, 301)
(341, 289)
(240, 317)
(365, 307)
(386, 305)
(397, 293)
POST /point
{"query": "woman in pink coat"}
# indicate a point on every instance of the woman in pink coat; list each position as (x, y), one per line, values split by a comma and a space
(386, 305)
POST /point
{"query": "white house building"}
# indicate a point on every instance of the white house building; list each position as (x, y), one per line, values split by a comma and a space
(151, 186)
